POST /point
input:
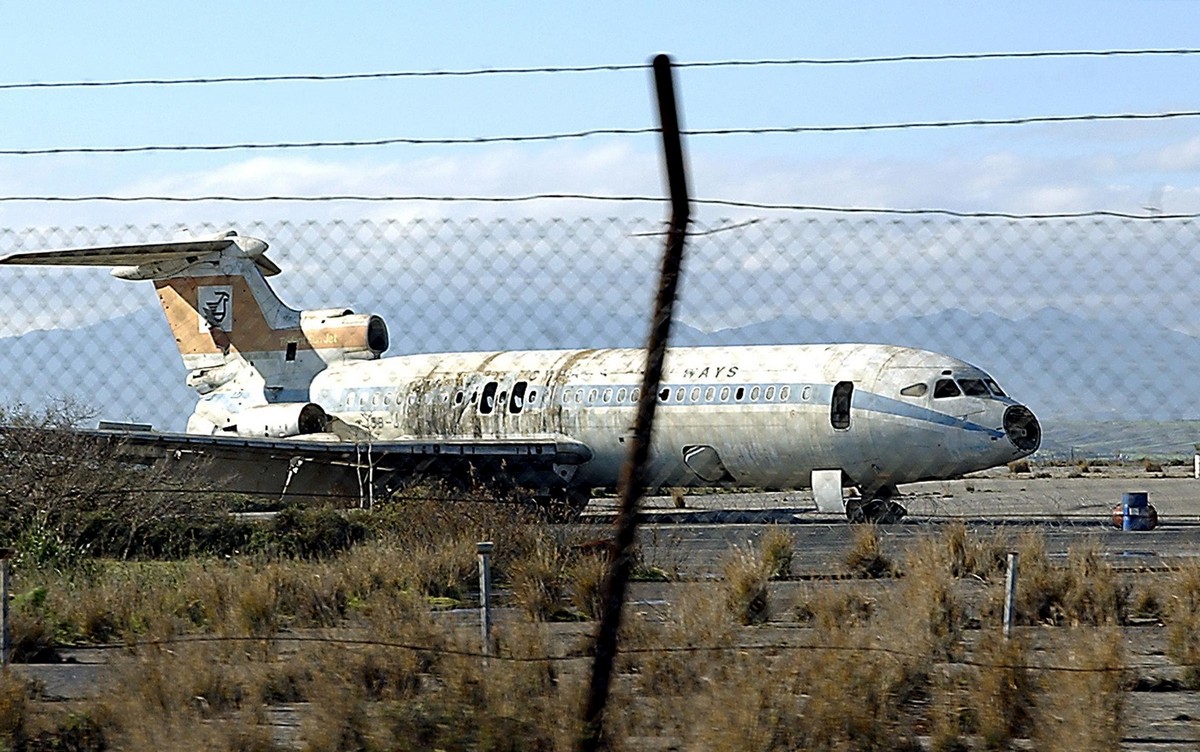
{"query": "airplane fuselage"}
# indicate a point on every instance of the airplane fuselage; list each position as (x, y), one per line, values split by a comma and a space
(763, 417)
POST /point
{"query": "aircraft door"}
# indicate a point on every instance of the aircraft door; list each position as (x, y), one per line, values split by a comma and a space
(839, 405)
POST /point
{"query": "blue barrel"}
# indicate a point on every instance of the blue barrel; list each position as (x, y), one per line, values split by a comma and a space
(1135, 511)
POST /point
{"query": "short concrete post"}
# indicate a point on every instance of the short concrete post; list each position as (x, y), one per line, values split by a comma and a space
(6, 555)
(1010, 594)
(484, 548)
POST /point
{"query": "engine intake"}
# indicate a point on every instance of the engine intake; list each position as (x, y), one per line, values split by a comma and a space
(339, 334)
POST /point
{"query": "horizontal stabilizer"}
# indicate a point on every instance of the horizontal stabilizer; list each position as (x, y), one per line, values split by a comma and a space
(181, 253)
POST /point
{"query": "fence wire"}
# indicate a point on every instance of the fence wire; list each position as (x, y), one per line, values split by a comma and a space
(1089, 321)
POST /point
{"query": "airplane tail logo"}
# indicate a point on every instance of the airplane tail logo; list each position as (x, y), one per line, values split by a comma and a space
(216, 308)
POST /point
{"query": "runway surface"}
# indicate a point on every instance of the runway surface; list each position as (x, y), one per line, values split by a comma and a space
(1068, 510)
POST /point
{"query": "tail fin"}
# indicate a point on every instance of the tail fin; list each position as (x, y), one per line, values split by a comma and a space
(230, 326)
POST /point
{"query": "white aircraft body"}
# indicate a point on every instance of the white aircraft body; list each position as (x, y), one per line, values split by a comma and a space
(307, 392)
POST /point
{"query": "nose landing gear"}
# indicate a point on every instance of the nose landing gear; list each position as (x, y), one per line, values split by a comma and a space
(877, 507)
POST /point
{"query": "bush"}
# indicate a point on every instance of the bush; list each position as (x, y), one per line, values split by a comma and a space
(778, 548)
(746, 577)
(314, 533)
(865, 557)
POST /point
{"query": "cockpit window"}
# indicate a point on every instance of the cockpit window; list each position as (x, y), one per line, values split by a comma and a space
(996, 390)
(945, 388)
(974, 388)
(915, 390)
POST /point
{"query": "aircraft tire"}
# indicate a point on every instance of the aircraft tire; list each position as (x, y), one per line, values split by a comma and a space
(878, 510)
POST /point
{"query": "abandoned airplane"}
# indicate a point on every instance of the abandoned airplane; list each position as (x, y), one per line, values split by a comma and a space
(292, 399)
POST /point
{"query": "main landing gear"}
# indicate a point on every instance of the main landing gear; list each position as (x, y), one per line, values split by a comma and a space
(876, 507)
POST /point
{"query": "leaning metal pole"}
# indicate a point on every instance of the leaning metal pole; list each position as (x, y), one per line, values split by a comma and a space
(632, 474)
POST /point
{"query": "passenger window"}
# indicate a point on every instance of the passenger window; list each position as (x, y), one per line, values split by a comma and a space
(621, 394)
(679, 394)
(754, 392)
(695, 394)
(516, 402)
(945, 388)
(724, 394)
(974, 388)
(839, 405)
(488, 401)
(915, 390)
(458, 397)
(664, 394)
(784, 393)
(770, 395)
(592, 395)
(710, 394)
(635, 395)
(740, 394)
(531, 398)
(608, 393)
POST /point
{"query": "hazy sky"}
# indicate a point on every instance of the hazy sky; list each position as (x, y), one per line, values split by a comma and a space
(1035, 168)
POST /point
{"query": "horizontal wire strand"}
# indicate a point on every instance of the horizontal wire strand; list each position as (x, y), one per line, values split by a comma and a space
(728, 203)
(593, 132)
(610, 67)
(665, 649)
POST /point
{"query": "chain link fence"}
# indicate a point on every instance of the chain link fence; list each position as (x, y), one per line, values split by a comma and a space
(1091, 322)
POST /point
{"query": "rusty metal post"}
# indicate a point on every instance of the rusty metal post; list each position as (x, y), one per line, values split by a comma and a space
(1010, 594)
(484, 549)
(632, 474)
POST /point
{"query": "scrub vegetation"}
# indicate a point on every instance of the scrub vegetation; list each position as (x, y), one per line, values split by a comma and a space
(329, 629)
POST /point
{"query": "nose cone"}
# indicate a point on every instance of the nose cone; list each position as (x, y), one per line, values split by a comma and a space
(1022, 429)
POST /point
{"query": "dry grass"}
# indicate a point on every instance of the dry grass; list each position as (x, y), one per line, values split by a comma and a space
(866, 557)
(1018, 467)
(1083, 707)
(1002, 693)
(778, 548)
(1085, 592)
(1183, 623)
(858, 664)
(967, 556)
(929, 612)
(746, 576)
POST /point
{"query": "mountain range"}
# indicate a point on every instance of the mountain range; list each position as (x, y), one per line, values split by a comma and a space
(1082, 373)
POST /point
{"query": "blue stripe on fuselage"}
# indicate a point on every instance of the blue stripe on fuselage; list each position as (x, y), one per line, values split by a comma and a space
(590, 396)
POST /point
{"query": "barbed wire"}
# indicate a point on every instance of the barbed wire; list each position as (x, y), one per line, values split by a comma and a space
(643, 650)
(593, 132)
(603, 67)
(514, 500)
(729, 203)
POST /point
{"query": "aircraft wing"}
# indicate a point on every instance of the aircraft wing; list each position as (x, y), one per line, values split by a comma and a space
(307, 467)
